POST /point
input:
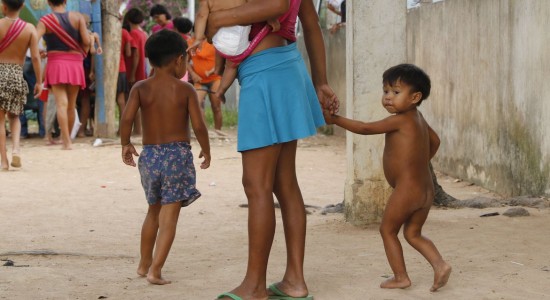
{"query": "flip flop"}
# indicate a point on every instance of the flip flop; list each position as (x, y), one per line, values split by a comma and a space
(280, 295)
(230, 295)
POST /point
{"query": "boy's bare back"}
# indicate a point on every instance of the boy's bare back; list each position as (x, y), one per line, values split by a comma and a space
(164, 103)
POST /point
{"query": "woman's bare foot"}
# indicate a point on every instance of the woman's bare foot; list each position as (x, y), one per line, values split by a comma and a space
(157, 280)
(393, 283)
(441, 276)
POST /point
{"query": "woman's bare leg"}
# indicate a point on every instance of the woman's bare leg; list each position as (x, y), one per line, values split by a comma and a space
(413, 235)
(288, 193)
(4, 165)
(62, 102)
(15, 127)
(259, 167)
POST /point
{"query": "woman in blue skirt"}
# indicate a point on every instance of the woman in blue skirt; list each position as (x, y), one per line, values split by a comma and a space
(279, 104)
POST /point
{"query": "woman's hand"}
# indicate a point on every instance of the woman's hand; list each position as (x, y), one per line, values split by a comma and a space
(328, 99)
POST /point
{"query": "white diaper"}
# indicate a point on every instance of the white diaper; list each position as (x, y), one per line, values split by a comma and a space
(232, 40)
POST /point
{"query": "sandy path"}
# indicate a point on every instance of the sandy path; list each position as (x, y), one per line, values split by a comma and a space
(83, 209)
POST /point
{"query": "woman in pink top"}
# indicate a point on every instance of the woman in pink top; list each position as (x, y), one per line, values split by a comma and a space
(162, 17)
(278, 104)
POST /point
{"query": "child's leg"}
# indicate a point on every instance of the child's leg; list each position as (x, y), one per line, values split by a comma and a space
(149, 232)
(228, 76)
(3, 152)
(259, 167)
(413, 235)
(288, 193)
(168, 221)
(84, 112)
(395, 214)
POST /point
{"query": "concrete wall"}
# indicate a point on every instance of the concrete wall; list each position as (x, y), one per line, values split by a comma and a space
(489, 62)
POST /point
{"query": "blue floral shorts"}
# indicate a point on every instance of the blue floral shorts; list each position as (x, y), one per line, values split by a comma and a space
(168, 174)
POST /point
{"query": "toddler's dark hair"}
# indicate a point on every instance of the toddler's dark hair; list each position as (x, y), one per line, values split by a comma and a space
(183, 25)
(159, 9)
(134, 16)
(14, 4)
(411, 75)
(57, 2)
(164, 46)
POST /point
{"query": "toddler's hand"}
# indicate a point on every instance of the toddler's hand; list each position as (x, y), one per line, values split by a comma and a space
(328, 117)
(206, 162)
(275, 25)
(128, 153)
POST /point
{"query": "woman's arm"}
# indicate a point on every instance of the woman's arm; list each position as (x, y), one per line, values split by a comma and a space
(252, 12)
(315, 46)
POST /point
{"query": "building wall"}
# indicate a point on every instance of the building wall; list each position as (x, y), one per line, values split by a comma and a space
(489, 62)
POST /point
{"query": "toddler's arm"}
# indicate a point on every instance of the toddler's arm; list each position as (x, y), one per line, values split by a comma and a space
(386, 125)
(434, 142)
(199, 127)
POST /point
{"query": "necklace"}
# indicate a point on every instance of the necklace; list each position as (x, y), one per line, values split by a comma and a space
(11, 19)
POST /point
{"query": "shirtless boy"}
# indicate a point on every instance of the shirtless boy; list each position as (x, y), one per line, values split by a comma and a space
(410, 144)
(166, 162)
(230, 41)
(16, 37)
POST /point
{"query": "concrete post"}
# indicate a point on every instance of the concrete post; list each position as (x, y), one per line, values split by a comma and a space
(375, 41)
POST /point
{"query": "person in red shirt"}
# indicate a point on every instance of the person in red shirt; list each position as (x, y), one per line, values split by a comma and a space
(133, 18)
(122, 84)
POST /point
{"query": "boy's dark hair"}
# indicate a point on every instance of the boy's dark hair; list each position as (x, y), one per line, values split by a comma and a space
(57, 2)
(411, 75)
(162, 47)
(134, 16)
(14, 4)
(183, 25)
(159, 9)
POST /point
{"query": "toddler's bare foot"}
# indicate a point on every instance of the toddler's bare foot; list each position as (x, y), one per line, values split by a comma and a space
(441, 276)
(221, 96)
(393, 283)
(157, 280)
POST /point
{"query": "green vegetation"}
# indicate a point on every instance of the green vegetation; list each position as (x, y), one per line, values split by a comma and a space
(230, 118)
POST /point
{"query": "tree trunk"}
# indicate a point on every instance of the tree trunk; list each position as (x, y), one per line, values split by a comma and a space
(110, 59)
(441, 197)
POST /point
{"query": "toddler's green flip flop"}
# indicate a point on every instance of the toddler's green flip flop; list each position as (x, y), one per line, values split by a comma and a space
(280, 295)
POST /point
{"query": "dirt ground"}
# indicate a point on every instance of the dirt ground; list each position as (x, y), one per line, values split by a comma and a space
(70, 221)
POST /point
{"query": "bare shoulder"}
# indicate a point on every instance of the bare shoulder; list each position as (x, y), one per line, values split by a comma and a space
(185, 88)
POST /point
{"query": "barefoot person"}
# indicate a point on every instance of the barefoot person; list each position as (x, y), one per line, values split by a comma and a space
(66, 38)
(16, 37)
(166, 162)
(410, 144)
(278, 105)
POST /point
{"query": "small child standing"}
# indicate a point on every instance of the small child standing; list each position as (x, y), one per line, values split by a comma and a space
(232, 43)
(410, 145)
(166, 162)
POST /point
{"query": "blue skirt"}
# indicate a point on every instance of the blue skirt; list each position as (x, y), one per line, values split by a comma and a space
(277, 102)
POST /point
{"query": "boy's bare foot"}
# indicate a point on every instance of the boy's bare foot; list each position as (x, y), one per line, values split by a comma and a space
(441, 276)
(157, 280)
(393, 283)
